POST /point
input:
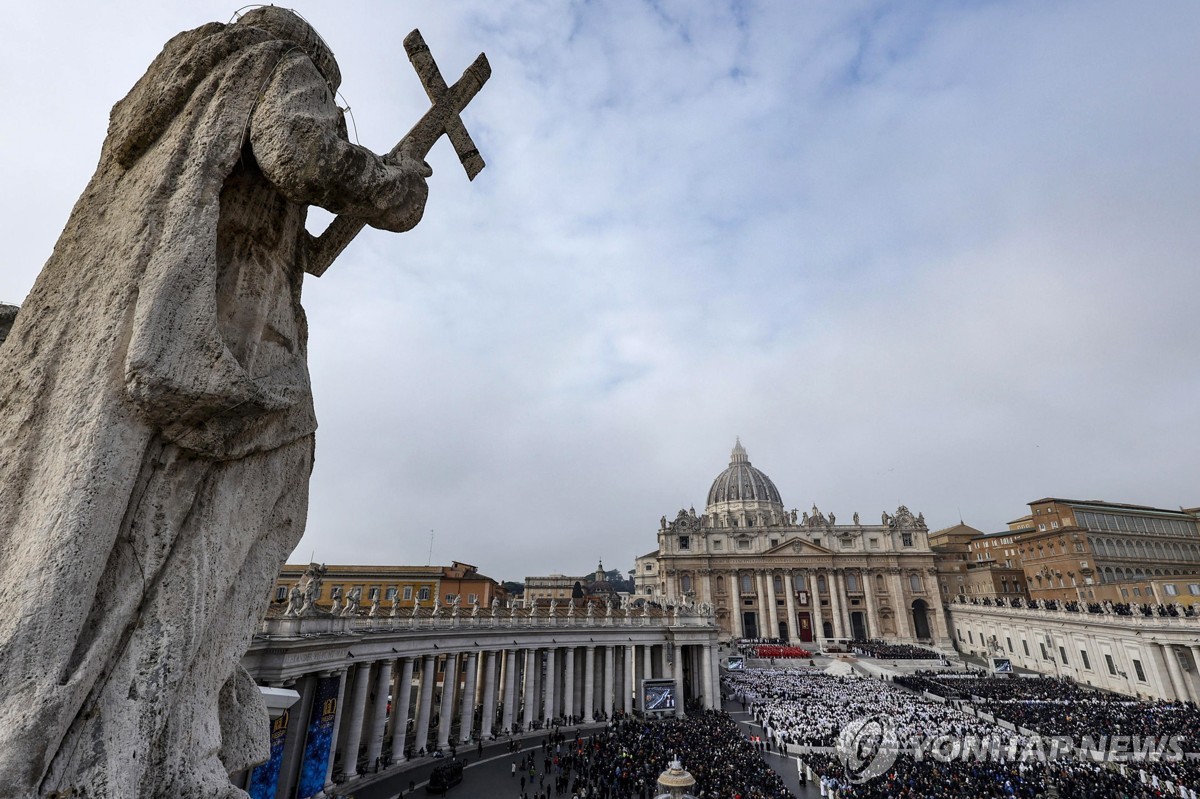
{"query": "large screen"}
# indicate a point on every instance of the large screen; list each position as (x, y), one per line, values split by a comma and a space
(736, 664)
(1002, 666)
(658, 696)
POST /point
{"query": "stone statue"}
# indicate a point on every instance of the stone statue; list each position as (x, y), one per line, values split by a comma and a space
(832, 519)
(553, 608)
(156, 417)
(295, 601)
(591, 610)
(495, 606)
(353, 600)
(395, 611)
(475, 608)
(571, 610)
(335, 607)
(856, 517)
(437, 606)
(374, 611)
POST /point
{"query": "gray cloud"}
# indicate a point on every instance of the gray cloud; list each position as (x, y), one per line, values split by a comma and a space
(941, 254)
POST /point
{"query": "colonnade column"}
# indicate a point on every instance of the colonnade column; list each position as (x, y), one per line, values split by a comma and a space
(339, 709)
(608, 681)
(569, 682)
(489, 696)
(647, 666)
(401, 699)
(358, 703)
(446, 709)
(529, 697)
(466, 716)
(383, 685)
(1174, 673)
(901, 605)
(293, 744)
(789, 598)
(551, 679)
(425, 704)
(710, 701)
(772, 604)
(679, 698)
(510, 690)
(589, 683)
(630, 676)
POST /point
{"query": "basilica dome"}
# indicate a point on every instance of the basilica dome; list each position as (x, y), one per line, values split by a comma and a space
(741, 486)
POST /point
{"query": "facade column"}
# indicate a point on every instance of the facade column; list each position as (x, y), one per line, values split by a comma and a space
(630, 662)
(870, 613)
(735, 601)
(466, 716)
(608, 681)
(401, 700)
(680, 701)
(900, 605)
(425, 703)
(569, 682)
(761, 593)
(589, 683)
(936, 613)
(551, 679)
(789, 599)
(383, 684)
(510, 690)
(835, 603)
(772, 604)
(358, 705)
(647, 665)
(530, 695)
(488, 716)
(339, 709)
(446, 708)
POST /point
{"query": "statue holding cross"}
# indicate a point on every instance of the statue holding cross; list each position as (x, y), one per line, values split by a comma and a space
(157, 418)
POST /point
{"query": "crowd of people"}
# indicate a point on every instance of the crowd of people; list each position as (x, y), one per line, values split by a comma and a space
(777, 651)
(624, 761)
(809, 709)
(882, 649)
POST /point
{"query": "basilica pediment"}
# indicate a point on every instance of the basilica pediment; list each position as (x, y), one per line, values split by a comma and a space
(798, 546)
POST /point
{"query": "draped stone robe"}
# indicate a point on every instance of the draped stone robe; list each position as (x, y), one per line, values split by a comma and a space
(156, 420)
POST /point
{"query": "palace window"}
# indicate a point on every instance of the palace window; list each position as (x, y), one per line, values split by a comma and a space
(744, 544)
(685, 583)
(914, 582)
(718, 545)
(1137, 668)
(408, 592)
(777, 584)
(373, 594)
(852, 582)
(1087, 664)
(1112, 667)
(906, 539)
(798, 581)
(685, 542)
(281, 593)
(391, 594)
(821, 583)
(424, 594)
(747, 584)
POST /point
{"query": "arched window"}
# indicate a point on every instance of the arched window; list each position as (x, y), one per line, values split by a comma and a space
(821, 583)
(852, 582)
(685, 583)
(879, 582)
(799, 582)
(747, 584)
(777, 584)
(720, 584)
(914, 582)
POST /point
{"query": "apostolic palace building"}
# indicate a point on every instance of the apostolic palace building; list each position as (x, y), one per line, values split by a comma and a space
(773, 573)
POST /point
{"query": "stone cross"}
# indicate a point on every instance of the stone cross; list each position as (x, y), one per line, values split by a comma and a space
(442, 118)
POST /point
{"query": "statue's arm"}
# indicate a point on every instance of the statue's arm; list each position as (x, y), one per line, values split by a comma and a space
(298, 137)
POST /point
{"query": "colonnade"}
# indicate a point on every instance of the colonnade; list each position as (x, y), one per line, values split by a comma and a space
(408, 702)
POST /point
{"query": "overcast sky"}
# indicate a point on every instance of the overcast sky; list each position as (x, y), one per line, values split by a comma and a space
(934, 254)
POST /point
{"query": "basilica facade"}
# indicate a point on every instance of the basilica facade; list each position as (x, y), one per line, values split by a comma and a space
(802, 577)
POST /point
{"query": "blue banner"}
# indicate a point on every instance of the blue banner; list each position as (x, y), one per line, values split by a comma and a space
(320, 735)
(264, 780)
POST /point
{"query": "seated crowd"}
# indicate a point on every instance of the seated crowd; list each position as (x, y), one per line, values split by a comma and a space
(807, 709)
(882, 649)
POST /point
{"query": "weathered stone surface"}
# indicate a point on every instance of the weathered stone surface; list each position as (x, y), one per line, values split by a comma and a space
(8, 315)
(156, 418)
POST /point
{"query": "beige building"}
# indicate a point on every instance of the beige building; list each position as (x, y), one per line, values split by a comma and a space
(774, 573)
(1092, 550)
(403, 586)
